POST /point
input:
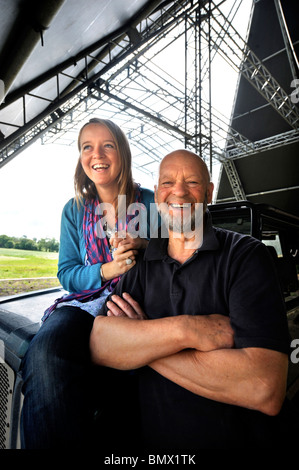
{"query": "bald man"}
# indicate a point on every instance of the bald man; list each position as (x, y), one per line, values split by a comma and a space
(204, 328)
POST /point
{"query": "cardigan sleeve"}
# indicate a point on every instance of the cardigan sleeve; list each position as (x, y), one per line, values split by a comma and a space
(73, 275)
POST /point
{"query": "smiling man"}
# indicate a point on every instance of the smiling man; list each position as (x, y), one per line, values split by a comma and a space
(183, 192)
(204, 327)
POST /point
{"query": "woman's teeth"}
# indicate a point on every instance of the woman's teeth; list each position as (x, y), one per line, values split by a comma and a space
(100, 166)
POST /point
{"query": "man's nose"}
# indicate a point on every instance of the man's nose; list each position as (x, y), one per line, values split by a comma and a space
(180, 188)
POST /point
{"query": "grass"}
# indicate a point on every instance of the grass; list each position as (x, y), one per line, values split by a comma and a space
(17, 265)
(25, 263)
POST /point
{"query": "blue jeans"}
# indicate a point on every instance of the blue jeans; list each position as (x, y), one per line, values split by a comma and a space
(68, 401)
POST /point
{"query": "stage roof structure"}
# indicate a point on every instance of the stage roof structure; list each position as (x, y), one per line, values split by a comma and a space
(267, 171)
(150, 66)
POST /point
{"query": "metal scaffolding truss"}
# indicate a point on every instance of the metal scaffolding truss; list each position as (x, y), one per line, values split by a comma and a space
(111, 58)
(132, 83)
(235, 49)
(131, 78)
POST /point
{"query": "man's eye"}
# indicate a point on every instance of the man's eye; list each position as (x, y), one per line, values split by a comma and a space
(166, 183)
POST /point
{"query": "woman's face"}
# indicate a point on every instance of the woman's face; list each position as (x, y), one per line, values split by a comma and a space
(99, 156)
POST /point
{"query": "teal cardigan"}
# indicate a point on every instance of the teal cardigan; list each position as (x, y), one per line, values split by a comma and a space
(73, 274)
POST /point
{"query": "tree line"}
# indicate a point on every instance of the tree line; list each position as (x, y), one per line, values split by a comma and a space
(24, 243)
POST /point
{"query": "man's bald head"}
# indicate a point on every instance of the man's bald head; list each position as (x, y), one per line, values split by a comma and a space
(183, 156)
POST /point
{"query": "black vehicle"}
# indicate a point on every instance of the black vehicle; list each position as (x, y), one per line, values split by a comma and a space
(277, 229)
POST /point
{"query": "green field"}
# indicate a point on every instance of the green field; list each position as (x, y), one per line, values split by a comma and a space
(23, 263)
(16, 265)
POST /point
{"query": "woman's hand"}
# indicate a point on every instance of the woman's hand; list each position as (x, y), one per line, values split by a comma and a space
(136, 242)
(124, 260)
(124, 255)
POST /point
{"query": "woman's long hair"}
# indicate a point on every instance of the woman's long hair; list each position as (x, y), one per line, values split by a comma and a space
(85, 188)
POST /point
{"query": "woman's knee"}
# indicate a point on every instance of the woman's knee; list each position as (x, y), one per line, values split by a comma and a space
(63, 337)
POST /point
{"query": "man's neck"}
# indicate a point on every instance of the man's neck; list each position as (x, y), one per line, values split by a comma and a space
(180, 248)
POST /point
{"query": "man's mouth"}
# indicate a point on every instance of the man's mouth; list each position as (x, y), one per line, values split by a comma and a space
(175, 205)
(100, 166)
(180, 206)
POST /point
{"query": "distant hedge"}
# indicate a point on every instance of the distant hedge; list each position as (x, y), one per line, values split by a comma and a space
(24, 243)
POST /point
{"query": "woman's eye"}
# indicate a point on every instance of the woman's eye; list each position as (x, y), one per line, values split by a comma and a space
(86, 148)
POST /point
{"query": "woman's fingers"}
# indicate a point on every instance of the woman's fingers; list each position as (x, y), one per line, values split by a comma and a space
(121, 256)
(128, 241)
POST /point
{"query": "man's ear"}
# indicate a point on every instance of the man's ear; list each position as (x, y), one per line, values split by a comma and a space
(155, 191)
(210, 190)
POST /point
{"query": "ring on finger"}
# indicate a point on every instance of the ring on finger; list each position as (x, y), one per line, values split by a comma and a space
(129, 261)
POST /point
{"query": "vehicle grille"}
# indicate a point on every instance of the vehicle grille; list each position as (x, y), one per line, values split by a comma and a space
(6, 391)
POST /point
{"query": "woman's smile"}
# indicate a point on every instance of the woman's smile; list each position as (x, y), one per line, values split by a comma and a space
(99, 155)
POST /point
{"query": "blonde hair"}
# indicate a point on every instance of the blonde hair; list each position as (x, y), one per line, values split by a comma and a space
(85, 188)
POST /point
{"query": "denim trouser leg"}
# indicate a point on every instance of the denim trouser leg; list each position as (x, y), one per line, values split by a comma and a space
(61, 386)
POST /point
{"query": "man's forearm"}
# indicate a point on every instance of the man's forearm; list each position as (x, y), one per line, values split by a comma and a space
(126, 343)
(252, 378)
(196, 352)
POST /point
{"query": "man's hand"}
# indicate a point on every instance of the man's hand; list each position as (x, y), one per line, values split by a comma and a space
(202, 332)
(195, 352)
(139, 343)
(125, 307)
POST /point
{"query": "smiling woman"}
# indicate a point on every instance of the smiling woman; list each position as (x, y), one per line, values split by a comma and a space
(103, 173)
(104, 150)
(92, 258)
(100, 159)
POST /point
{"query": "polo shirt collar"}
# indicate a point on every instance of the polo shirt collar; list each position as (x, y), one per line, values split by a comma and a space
(157, 247)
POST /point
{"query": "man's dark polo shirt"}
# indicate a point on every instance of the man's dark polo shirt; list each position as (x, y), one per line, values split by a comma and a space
(231, 274)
